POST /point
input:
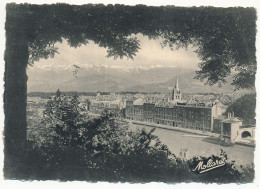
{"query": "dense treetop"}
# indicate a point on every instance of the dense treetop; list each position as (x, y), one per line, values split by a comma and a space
(244, 108)
(224, 37)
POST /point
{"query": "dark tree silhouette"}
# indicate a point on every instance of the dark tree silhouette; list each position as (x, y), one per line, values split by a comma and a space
(225, 37)
(245, 108)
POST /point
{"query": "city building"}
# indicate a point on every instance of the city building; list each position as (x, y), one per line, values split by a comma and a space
(231, 129)
(99, 107)
(174, 112)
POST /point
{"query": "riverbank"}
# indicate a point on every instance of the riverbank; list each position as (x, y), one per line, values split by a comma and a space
(185, 130)
(198, 145)
(214, 136)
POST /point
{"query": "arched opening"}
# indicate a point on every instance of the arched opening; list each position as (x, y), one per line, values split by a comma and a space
(246, 134)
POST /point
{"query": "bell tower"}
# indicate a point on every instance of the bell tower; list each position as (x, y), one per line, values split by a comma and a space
(176, 93)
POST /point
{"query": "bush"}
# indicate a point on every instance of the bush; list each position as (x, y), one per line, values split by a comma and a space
(75, 146)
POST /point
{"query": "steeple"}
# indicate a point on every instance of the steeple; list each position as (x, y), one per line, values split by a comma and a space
(176, 93)
(177, 84)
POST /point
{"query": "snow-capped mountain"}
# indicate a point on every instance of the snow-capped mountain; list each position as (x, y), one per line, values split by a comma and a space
(94, 77)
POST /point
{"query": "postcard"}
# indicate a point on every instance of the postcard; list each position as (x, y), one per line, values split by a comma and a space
(130, 93)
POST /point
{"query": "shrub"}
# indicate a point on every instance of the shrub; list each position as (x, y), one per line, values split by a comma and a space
(70, 145)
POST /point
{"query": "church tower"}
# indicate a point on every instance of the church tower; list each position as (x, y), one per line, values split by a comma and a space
(176, 93)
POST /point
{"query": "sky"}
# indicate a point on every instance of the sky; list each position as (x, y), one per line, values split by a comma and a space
(150, 54)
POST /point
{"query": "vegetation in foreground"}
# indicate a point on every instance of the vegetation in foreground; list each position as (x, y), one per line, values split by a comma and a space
(70, 145)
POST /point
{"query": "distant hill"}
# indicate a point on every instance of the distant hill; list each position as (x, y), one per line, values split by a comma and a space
(187, 84)
(101, 78)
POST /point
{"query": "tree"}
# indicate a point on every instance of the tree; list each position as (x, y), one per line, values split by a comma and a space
(65, 129)
(76, 146)
(224, 37)
(244, 108)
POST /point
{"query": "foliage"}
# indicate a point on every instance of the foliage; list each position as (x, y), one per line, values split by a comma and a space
(230, 172)
(224, 37)
(244, 108)
(65, 131)
(74, 145)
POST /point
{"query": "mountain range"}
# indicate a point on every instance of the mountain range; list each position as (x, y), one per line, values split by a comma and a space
(115, 79)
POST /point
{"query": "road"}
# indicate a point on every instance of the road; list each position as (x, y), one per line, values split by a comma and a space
(200, 145)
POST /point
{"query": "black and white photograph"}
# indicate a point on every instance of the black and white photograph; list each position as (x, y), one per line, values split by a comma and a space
(129, 93)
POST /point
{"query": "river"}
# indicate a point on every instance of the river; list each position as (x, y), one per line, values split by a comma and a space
(200, 145)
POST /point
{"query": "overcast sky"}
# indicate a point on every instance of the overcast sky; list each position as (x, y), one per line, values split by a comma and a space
(150, 54)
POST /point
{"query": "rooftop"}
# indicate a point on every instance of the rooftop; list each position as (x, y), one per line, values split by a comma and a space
(231, 120)
(139, 102)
